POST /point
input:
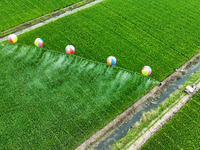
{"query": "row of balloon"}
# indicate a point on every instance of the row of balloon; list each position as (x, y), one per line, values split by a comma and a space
(146, 70)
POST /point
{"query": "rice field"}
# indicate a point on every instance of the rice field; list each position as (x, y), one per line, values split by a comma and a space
(181, 132)
(157, 33)
(51, 100)
(13, 13)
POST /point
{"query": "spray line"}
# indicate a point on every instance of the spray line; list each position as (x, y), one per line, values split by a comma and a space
(82, 58)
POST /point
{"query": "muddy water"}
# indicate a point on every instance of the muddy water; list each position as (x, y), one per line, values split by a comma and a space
(122, 130)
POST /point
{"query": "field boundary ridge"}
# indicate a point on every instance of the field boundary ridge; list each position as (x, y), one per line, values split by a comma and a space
(40, 21)
(161, 120)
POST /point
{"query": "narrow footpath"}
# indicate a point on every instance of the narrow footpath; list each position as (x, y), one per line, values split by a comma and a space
(67, 12)
(160, 123)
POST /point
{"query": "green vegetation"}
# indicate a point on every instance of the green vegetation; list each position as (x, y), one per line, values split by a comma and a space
(181, 132)
(52, 100)
(156, 33)
(148, 117)
(14, 12)
(174, 23)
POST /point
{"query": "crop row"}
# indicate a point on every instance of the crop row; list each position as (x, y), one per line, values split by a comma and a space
(182, 131)
(175, 24)
(110, 29)
(56, 101)
(14, 12)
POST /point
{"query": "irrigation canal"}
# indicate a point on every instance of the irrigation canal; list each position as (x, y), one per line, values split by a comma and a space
(122, 130)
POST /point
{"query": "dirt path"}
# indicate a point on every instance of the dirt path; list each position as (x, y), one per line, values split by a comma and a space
(170, 113)
(38, 22)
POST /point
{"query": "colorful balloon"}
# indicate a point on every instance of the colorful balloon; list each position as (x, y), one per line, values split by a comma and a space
(12, 38)
(38, 42)
(111, 60)
(70, 49)
(146, 70)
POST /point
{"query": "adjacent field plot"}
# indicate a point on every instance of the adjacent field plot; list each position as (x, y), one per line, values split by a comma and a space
(174, 23)
(136, 32)
(13, 13)
(51, 100)
(182, 131)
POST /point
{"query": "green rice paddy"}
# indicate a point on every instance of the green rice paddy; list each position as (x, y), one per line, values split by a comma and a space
(13, 13)
(181, 132)
(52, 100)
(157, 33)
